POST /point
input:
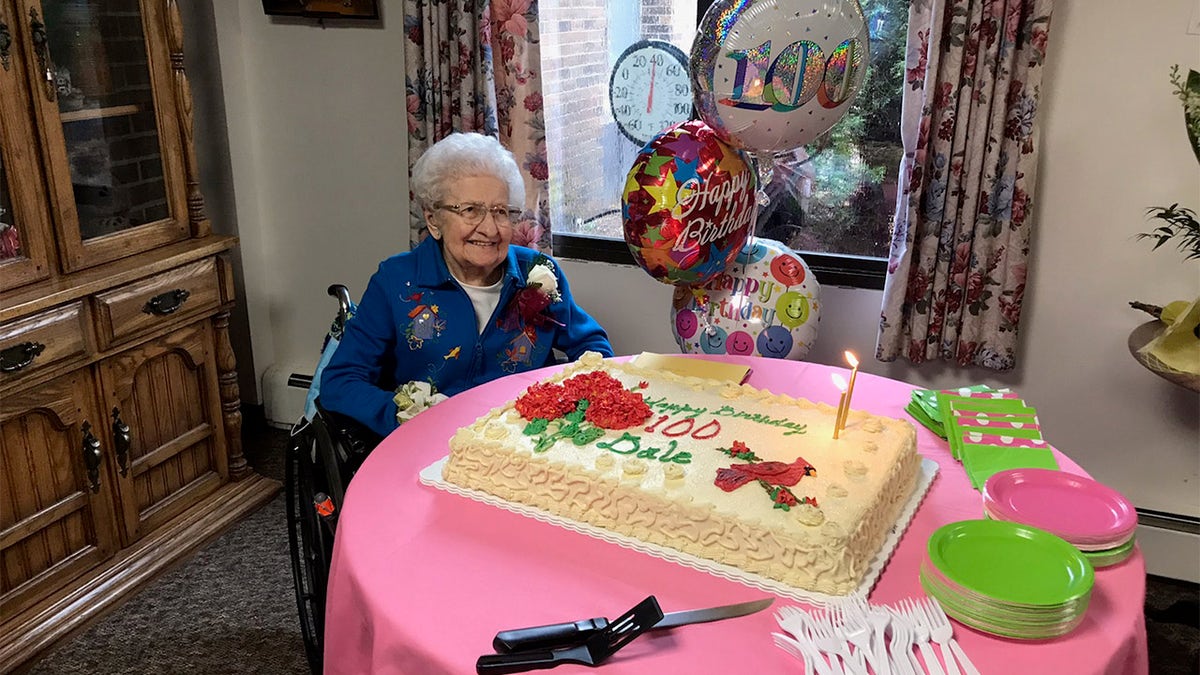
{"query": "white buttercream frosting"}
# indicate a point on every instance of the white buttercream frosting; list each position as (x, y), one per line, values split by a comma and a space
(666, 492)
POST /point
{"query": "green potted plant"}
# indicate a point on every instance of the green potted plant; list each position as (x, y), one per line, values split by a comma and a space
(1179, 223)
(1172, 348)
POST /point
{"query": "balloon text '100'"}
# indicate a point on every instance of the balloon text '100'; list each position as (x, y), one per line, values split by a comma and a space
(797, 73)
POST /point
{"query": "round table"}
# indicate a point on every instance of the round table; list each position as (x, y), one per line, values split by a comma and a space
(422, 579)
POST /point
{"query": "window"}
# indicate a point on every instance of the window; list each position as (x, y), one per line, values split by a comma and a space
(834, 206)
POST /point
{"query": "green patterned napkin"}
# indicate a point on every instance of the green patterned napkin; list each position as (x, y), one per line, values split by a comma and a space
(981, 461)
(918, 413)
(955, 432)
(924, 405)
(988, 430)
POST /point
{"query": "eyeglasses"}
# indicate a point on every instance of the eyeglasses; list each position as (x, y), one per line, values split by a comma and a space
(472, 213)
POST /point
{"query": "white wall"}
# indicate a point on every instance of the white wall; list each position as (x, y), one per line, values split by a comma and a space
(318, 165)
(317, 153)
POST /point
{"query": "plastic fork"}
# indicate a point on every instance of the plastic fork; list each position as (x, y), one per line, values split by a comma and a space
(880, 620)
(799, 623)
(920, 626)
(943, 633)
(825, 636)
(857, 631)
(803, 651)
(901, 644)
(930, 623)
(877, 620)
(794, 621)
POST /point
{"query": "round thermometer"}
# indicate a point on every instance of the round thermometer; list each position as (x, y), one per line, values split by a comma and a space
(649, 89)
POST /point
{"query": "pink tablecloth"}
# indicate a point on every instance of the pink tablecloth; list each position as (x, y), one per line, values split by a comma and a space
(422, 579)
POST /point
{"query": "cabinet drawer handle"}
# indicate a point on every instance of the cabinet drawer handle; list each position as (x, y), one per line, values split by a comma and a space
(18, 356)
(5, 43)
(41, 50)
(122, 440)
(91, 456)
(166, 303)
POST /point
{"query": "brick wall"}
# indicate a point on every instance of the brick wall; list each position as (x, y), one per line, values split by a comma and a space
(588, 157)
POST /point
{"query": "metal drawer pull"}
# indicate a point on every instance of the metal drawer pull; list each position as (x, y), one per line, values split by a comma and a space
(122, 440)
(18, 356)
(91, 456)
(166, 303)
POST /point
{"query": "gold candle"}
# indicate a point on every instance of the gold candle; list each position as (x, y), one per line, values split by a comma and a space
(840, 383)
(853, 361)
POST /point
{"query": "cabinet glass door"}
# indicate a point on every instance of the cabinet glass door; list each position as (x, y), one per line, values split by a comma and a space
(24, 220)
(10, 238)
(103, 81)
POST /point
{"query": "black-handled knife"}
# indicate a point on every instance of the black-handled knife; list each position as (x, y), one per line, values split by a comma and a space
(593, 651)
(574, 632)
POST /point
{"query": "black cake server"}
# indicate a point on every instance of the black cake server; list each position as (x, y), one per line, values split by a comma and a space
(597, 647)
(574, 632)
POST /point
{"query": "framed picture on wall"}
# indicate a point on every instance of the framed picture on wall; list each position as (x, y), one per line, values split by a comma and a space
(324, 9)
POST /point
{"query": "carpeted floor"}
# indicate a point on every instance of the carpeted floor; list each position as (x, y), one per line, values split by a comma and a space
(231, 608)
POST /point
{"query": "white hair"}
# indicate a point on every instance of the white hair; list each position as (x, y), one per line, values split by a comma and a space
(459, 156)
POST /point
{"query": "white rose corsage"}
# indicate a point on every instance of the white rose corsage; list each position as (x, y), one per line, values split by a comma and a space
(530, 305)
(541, 276)
(413, 397)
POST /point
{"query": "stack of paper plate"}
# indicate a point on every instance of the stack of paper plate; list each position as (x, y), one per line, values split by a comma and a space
(1007, 579)
(1097, 519)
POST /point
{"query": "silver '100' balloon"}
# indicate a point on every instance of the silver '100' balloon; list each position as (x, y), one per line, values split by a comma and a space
(773, 75)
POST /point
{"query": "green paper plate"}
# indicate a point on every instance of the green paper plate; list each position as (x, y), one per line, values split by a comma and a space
(1010, 562)
(1015, 630)
(1109, 556)
(1000, 613)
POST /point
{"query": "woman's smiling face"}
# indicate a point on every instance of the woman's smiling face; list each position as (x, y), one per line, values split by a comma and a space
(474, 253)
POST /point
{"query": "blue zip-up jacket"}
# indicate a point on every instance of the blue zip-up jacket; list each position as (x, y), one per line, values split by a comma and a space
(416, 323)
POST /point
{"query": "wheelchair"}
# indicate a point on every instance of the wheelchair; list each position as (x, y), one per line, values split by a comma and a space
(324, 451)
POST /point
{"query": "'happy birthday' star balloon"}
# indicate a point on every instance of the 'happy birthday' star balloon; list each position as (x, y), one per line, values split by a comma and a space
(688, 205)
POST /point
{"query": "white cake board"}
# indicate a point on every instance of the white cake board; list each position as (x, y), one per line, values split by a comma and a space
(432, 476)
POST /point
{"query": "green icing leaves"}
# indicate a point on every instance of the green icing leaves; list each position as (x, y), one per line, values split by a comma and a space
(587, 435)
(536, 426)
(571, 426)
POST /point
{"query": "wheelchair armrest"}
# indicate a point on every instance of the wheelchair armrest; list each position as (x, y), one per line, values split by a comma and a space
(345, 305)
(356, 437)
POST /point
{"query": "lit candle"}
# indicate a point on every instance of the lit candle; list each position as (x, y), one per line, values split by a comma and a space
(840, 383)
(853, 361)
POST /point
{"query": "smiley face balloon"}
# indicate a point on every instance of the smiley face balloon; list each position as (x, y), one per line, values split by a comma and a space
(766, 303)
(792, 309)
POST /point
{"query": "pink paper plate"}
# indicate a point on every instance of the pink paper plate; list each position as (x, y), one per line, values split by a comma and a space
(1075, 508)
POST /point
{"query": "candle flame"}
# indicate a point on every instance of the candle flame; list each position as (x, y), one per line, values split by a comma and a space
(851, 359)
(839, 381)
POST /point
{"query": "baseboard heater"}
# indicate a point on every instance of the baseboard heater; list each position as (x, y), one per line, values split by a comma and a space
(1169, 521)
(299, 381)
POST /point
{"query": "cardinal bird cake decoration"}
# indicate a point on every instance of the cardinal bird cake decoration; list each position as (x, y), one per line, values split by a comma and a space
(774, 477)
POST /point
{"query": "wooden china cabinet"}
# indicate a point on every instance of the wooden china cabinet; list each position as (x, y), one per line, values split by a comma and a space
(120, 447)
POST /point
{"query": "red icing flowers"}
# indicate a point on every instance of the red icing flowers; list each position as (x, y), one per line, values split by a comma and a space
(610, 405)
(547, 401)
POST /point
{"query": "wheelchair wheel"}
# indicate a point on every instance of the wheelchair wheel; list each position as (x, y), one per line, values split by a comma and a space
(310, 540)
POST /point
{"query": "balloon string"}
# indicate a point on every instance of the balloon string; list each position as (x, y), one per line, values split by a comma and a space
(765, 163)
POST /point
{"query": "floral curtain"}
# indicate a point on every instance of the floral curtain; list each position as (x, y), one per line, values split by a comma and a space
(956, 270)
(454, 82)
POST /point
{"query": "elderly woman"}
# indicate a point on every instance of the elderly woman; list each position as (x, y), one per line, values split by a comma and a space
(464, 306)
